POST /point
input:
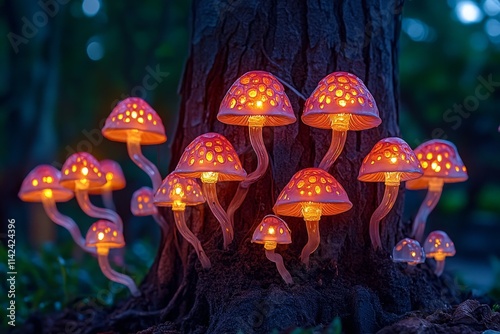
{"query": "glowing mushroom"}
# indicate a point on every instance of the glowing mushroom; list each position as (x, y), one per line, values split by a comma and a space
(409, 251)
(312, 193)
(340, 102)
(441, 164)
(142, 204)
(103, 235)
(255, 100)
(439, 246)
(212, 158)
(133, 121)
(392, 161)
(178, 192)
(272, 231)
(42, 185)
(115, 180)
(80, 173)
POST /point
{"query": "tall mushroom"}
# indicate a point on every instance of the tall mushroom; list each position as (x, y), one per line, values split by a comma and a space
(115, 180)
(212, 158)
(272, 231)
(312, 193)
(439, 246)
(441, 164)
(134, 122)
(409, 251)
(255, 100)
(391, 161)
(142, 205)
(81, 172)
(178, 192)
(42, 185)
(103, 235)
(340, 102)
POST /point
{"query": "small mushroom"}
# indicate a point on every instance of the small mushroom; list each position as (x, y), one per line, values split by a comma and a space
(409, 251)
(391, 160)
(212, 158)
(312, 193)
(178, 192)
(134, 122)
(441, 164)
(115, 180)
(103, 235)
(142, 205)
(439, 246)
(272, 231)
(340, 102)
(42, 185)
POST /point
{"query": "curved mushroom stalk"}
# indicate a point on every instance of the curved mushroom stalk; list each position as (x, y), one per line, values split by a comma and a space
(135, 153)
(276, 258)
(336, 147)
(180, 222)
(115, 276)
(107, 200)
(439, 267)
(390, 195)
(91, 210)
(210, 191)
(429, 203)
(312, 241)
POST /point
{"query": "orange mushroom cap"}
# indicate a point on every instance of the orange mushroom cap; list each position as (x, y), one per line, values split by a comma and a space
(104, 234)
(438, 245)
(439, 159)
(142, 202)
(178, 188)
(133, 116)
(82, 168)
(115, 180)
(312, 185)
(408, 250)
(43, 181)
(390, 155)
(341, 93)
(211, 152)
(272, 229)
(256, 93)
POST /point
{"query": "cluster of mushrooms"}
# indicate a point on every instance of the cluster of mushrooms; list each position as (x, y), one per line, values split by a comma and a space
(341, 102)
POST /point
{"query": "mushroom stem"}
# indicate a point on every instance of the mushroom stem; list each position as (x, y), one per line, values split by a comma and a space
(180, 222)
(50, 208)
(107, 199)
(439, 267)
(429, 203)
(312, 241)
(390, 195)
(135, 153)
(116, 276)
(213, 202)
(276, 258)
(82, 196)
(336, 147)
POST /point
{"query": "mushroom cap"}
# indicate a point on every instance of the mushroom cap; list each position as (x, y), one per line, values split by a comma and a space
(272, 229)
(82, 166)
(409, 251)
(115, 180)
(211, 152)
(312, 185)
(104, 233)
(439, 159)
(134, 116)
(41, 178)
(178, 188)
(439, 245)
(341, 93)
(256, 93)
(390, 155)
(142, 202)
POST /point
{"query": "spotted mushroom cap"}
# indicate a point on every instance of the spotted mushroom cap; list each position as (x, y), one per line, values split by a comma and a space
(178, 188)
(256, 93)
(211, 152)
(115, 180)
(41, 179)
(390, 155)
(272, 229)
(439, 159)
(409, 251)
(438, 245)
(341, 93)
(82, 168)
(142, 202)
(104, 233)
(134, 115)
(312, 185)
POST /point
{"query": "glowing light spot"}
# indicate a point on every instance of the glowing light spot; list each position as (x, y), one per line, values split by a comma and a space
(85, 171)
(47, 193)
(100, 235)
(34, 182)
(271, 230)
